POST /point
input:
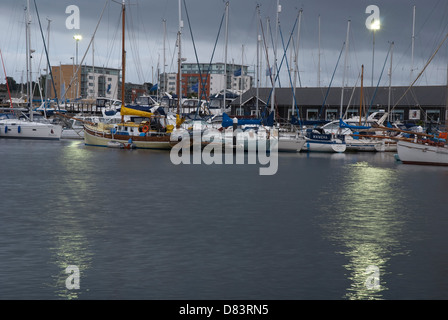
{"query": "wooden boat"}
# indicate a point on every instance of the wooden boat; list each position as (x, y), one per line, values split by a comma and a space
(152, 133)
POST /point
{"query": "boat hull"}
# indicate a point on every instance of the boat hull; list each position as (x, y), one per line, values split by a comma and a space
(422, 154)
(102, 139)
(290, 144)
(324, 146)
(366, 146)
(18, 129)
(72, 134)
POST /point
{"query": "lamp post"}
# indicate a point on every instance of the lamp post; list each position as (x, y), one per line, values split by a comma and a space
(375, 25)
(77, 38)
(73, 71)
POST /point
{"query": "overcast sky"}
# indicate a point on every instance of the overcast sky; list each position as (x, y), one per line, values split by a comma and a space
(145, 34)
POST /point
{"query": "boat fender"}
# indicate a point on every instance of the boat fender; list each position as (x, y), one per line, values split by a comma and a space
(52, 132)
(6, 129)
(145, 129)
(19, 129)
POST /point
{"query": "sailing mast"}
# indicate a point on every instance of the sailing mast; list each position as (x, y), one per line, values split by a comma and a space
(390, 81)
(164, 58)
(413, 41)
(258, 58)
(275, 57)
(296, 63)
(6, 79)
(28, 60)
(361, 96)
(225, 58)
(179, 60)
(318, 57)
(123, 59)
(48, 65)
(345, 69)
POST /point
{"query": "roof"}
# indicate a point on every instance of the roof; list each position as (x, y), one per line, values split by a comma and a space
(435, 96)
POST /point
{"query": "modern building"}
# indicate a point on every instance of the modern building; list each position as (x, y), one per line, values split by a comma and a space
(208, 79)
(420, 103)
(167, 82)
(89, 82)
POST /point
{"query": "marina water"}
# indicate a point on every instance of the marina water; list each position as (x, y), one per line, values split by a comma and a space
(325, 226)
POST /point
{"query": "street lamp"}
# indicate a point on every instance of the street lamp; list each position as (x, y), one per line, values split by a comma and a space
(77, 38)
(375, 25)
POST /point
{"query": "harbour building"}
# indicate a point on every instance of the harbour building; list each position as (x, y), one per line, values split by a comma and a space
(420, 103)
(208, 79)
(89, 82)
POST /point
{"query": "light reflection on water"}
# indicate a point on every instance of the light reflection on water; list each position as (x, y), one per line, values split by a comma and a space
(70, 243)
(139, 227)
(365, 218)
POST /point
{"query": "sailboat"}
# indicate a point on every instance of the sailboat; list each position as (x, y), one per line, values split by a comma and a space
(353, 127)
(145, 130)
(26, 126)
(425, 149)
(316, 139)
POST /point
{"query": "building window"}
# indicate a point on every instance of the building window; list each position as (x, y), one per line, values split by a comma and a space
(397, 115)
(331, 114)
(312, 114)
(433, 115)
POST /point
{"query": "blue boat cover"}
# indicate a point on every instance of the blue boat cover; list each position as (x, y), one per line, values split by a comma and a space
(342, 124)
(228, 122)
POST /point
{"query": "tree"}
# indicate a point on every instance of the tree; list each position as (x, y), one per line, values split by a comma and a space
(12, 84)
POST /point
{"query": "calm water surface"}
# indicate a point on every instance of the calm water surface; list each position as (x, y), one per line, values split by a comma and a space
(139, 227)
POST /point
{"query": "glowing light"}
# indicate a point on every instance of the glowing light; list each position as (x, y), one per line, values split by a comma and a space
(375, 24)
(77, 37)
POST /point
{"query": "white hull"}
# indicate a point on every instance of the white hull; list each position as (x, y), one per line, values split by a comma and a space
(416, 153)
(323, 146)
(390, 146)
(251, 140)
(364, 145)
(290, 143)
(72, 134)
(21, 129)
(120, 145)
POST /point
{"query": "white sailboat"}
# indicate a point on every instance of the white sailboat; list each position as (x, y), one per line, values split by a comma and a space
(426, 152)
(425, 149)
(27, 127)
